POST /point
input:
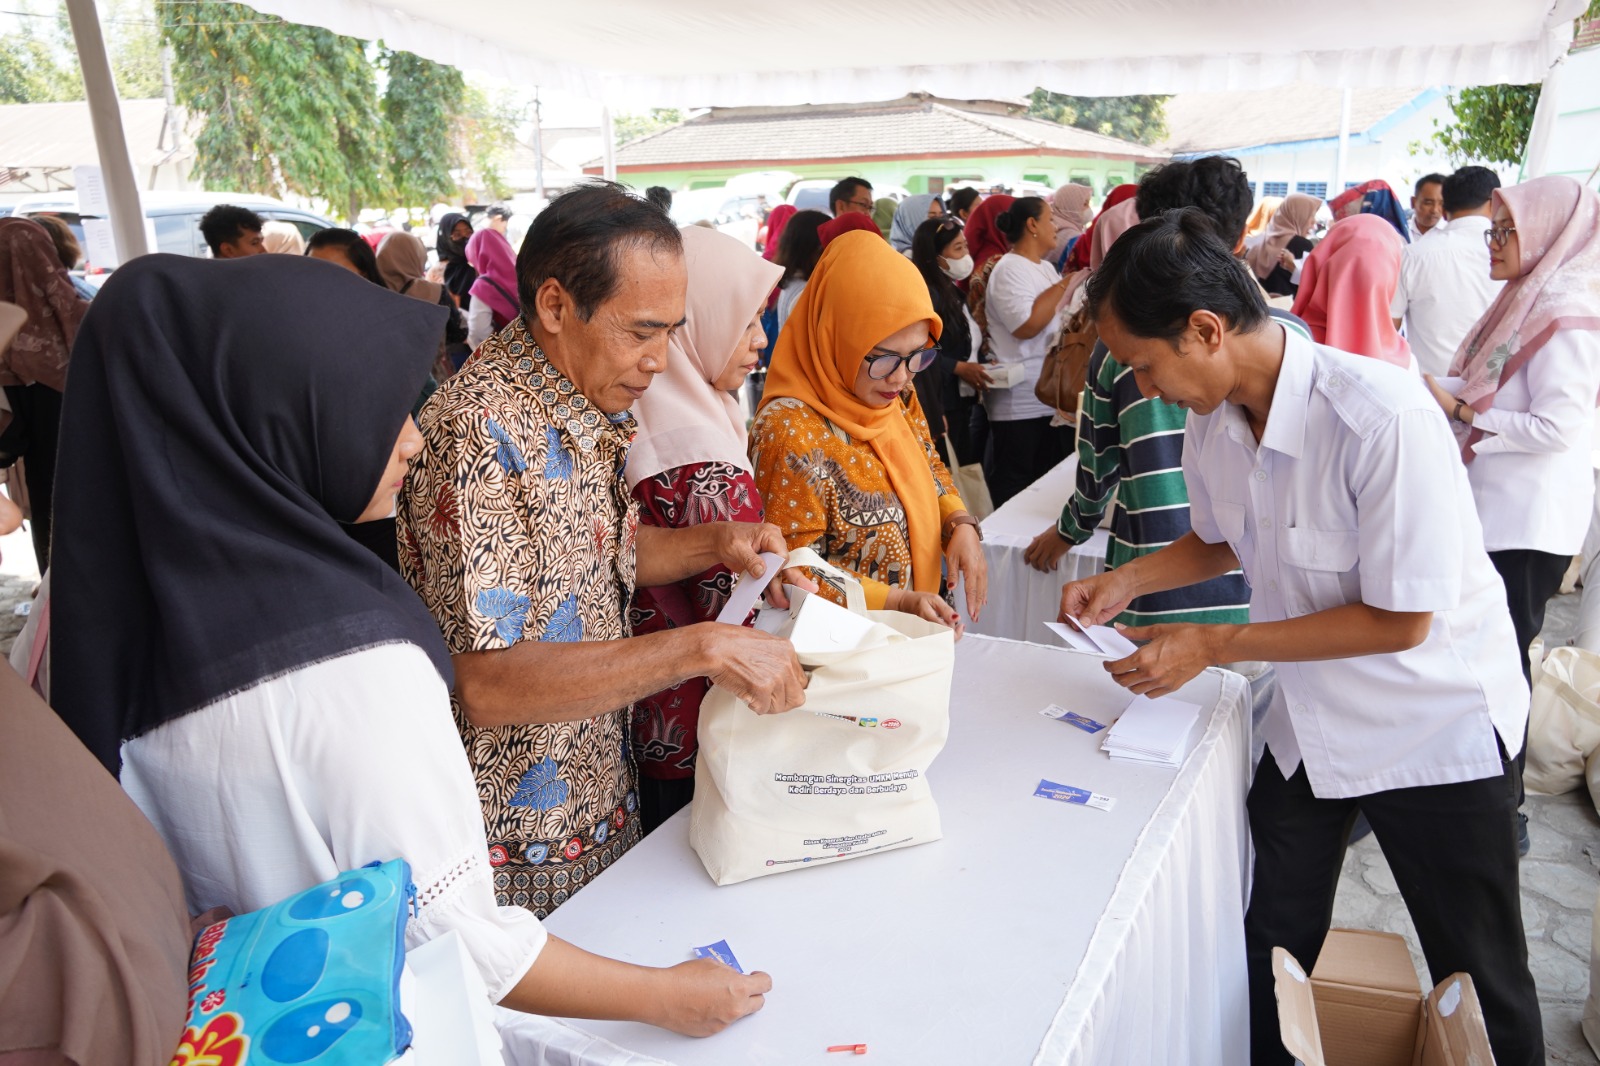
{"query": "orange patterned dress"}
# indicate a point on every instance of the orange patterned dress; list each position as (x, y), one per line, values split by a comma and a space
(827, 491)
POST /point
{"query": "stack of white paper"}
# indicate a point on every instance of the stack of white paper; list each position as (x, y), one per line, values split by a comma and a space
(1153, 731)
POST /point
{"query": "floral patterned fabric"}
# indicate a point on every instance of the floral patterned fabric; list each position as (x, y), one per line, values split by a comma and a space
(829, 492)
(515, 524)
(665, 725)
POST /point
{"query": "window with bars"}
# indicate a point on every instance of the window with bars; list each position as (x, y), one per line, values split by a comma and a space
(1319, 189)
(1274, 188)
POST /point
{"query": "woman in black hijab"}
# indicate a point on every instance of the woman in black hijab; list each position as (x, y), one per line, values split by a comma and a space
(454, 233)
(276, 699)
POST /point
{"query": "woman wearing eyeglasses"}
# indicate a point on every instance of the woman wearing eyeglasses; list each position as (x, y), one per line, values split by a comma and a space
(1528, 375)
(1022, 300)
(841, 448)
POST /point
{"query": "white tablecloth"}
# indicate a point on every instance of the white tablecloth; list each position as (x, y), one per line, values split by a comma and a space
(1034, 931)
(1021, 599)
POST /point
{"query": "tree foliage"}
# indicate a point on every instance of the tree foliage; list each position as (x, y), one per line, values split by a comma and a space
(420, 107)
(630, 126)
(1141, 119)
(1491, 124)
(31, 72)
(484, 132)
(287, 108)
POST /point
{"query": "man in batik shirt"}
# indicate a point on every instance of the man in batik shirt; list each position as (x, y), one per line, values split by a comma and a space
(517, 529)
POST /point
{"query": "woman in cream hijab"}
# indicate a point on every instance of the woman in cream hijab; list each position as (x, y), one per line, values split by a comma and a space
(688, 466)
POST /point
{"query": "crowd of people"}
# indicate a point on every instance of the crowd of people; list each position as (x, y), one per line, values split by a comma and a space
(357, 551)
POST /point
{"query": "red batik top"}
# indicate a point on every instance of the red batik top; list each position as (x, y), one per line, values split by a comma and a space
(665, 725)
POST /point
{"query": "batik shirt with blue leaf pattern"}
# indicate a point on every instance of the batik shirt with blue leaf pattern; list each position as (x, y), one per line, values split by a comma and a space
(516, 524)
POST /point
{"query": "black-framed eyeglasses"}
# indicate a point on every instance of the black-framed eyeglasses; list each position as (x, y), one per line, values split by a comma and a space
(868, 206)
(1496, 236)
(882, 367)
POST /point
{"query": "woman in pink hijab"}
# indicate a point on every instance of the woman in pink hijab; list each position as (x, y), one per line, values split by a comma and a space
(494, 293)
(1111, 224)
(1523, 390)
(1069, 210)
(1347, 285)
(1272, 255)
(690, 465)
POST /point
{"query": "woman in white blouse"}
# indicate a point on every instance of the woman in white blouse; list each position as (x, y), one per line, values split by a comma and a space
(1023, 297)
(1529, 376)
(275, 698)
(1523, 402)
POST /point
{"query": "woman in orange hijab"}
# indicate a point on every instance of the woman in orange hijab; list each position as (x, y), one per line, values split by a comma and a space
(842, 452)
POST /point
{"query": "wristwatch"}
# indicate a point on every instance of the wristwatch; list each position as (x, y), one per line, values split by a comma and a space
(1457, 414)
(955, 520)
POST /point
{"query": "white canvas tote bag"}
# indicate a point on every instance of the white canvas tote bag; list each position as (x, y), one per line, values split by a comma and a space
(846, 774)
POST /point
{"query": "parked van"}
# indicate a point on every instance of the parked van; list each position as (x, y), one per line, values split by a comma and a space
(176, 215)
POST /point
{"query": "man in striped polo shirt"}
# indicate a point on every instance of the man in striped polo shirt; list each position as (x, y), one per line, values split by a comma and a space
(1127, 441)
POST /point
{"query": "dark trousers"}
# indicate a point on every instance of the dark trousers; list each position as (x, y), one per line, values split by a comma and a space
(1531, 578)
(1454, 855)
(660, 799)
(1024, 451)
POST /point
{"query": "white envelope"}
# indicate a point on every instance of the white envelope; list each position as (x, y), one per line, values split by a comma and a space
(1096, 640)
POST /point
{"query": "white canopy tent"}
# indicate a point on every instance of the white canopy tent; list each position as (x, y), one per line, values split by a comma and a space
(697, 53)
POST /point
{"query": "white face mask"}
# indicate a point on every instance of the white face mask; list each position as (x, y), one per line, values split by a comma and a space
(958, 269)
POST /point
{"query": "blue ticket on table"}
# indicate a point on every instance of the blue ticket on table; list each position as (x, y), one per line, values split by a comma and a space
(721, 952)
(1073, 718)
(1068, 794)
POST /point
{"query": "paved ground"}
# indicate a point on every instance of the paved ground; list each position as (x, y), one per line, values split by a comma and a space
(1560, 882)
(1560, 878)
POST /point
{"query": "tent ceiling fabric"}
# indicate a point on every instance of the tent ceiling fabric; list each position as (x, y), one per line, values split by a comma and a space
(698, 53)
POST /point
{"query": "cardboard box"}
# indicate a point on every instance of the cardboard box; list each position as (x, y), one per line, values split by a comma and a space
(1363, 1006)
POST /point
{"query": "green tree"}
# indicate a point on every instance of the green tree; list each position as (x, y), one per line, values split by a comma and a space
(133, 38)
(286, 108)
(630, 126)
(421, 105)
(32, 73)
(1491, 123)
(485, 133)
(1141, 119)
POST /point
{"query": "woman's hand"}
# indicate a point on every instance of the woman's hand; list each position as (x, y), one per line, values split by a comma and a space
(1175, 655)
(927, 606)
(1046, 550)
(965, 559)
(1286, 260)
(974, 375)
(1447, 403)
(703, 997)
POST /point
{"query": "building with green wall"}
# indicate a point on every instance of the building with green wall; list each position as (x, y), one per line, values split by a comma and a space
(922, 143)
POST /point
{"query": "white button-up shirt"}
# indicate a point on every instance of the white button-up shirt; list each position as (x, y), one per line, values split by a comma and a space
(1533, 476)
(1444, 289)
(1356, 493)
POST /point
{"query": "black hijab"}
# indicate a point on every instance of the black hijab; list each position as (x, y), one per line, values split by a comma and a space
(458, 273)
(223, 418)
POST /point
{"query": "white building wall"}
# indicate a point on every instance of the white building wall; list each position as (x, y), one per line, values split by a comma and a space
(1575, 145)
(1399, 154)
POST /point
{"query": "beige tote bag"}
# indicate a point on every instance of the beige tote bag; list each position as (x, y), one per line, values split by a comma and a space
(846, 774)
(1564, 724)
(971, 485)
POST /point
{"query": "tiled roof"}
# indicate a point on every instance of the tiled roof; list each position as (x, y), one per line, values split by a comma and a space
(918, 127)
(1203, 122)
(61, 135)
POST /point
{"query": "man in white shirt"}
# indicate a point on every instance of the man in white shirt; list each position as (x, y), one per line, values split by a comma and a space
(1444, 281)
(1333, 480)
(1427, 207)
